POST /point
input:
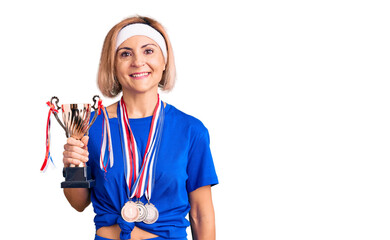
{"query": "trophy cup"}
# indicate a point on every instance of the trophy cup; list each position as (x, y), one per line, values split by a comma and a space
(76, 124)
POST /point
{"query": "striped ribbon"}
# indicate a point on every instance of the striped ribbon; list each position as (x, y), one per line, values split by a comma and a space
(48, 137)
(106, 153)
(140, 179)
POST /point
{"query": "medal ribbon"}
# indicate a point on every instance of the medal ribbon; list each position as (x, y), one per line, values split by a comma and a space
(130, 146)
(140, 181)
(47, 155)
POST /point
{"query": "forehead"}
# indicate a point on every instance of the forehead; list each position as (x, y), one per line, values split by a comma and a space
(137, 41)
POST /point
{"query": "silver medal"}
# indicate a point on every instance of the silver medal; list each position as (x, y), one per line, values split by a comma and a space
(142, 211)
(152, 214)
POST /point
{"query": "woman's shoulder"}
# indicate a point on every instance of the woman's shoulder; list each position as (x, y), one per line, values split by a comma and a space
(185, 119)
(111, 111)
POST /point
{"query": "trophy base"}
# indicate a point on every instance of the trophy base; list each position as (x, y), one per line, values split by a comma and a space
(77, 177)
(78, 184)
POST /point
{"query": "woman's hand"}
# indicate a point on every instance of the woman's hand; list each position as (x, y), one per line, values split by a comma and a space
(76, 151)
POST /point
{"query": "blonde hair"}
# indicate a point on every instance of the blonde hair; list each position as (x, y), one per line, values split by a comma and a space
(107, 81)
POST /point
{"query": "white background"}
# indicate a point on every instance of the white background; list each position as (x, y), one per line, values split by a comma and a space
(295, 95)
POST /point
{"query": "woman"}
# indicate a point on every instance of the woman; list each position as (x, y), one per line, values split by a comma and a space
(157, 166)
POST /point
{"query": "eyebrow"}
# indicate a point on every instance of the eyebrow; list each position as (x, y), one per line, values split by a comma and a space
(148, 45)
(127, 48)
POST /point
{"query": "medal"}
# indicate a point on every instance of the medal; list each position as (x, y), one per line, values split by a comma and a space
(130, 212)
(140, 174)
(152, 214)
(142, 211)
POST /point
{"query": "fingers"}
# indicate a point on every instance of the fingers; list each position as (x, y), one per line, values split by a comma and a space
(84, 140)
(76, 151)
(74, 142)
(69, 161)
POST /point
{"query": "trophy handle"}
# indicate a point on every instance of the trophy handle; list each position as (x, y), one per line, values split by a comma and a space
(95, 100)
(56, 115)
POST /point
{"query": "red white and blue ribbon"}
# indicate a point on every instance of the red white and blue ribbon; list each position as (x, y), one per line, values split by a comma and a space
(47, 155)
(131, 157)
(106, 153)
(140, 176)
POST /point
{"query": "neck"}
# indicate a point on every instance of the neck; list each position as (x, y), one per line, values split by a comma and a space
(140, 105)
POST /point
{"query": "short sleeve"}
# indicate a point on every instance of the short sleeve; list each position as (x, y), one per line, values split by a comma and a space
(200, 169)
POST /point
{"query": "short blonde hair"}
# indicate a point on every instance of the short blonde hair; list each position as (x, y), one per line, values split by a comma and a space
(107, 81)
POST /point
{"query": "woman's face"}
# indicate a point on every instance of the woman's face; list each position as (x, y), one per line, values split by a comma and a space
(139, 64)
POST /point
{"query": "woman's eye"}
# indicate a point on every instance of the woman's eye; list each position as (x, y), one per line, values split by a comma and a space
(149, 51)
(125, 54)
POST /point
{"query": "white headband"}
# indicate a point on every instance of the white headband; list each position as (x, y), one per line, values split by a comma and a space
(137, 29)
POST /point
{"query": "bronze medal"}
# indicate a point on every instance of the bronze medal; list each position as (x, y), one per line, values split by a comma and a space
(130, 212)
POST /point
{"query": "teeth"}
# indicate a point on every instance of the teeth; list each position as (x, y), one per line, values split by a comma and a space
(139, 75)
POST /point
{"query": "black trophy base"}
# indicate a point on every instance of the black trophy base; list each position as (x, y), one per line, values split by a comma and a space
(77, 177)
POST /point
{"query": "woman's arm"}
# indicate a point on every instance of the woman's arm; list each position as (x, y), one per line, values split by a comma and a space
(202, 216)
(76, 151)
(79, 198)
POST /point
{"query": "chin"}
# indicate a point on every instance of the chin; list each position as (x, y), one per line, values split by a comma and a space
(144, 89)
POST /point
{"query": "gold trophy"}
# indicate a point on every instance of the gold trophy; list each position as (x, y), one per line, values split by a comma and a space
(76, 124)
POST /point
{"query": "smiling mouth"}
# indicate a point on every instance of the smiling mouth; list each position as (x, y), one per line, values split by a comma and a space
(140, 75)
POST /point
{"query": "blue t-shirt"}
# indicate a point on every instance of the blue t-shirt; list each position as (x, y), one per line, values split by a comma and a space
(184, 164)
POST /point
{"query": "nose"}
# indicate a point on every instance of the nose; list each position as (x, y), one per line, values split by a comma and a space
(138, 61)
